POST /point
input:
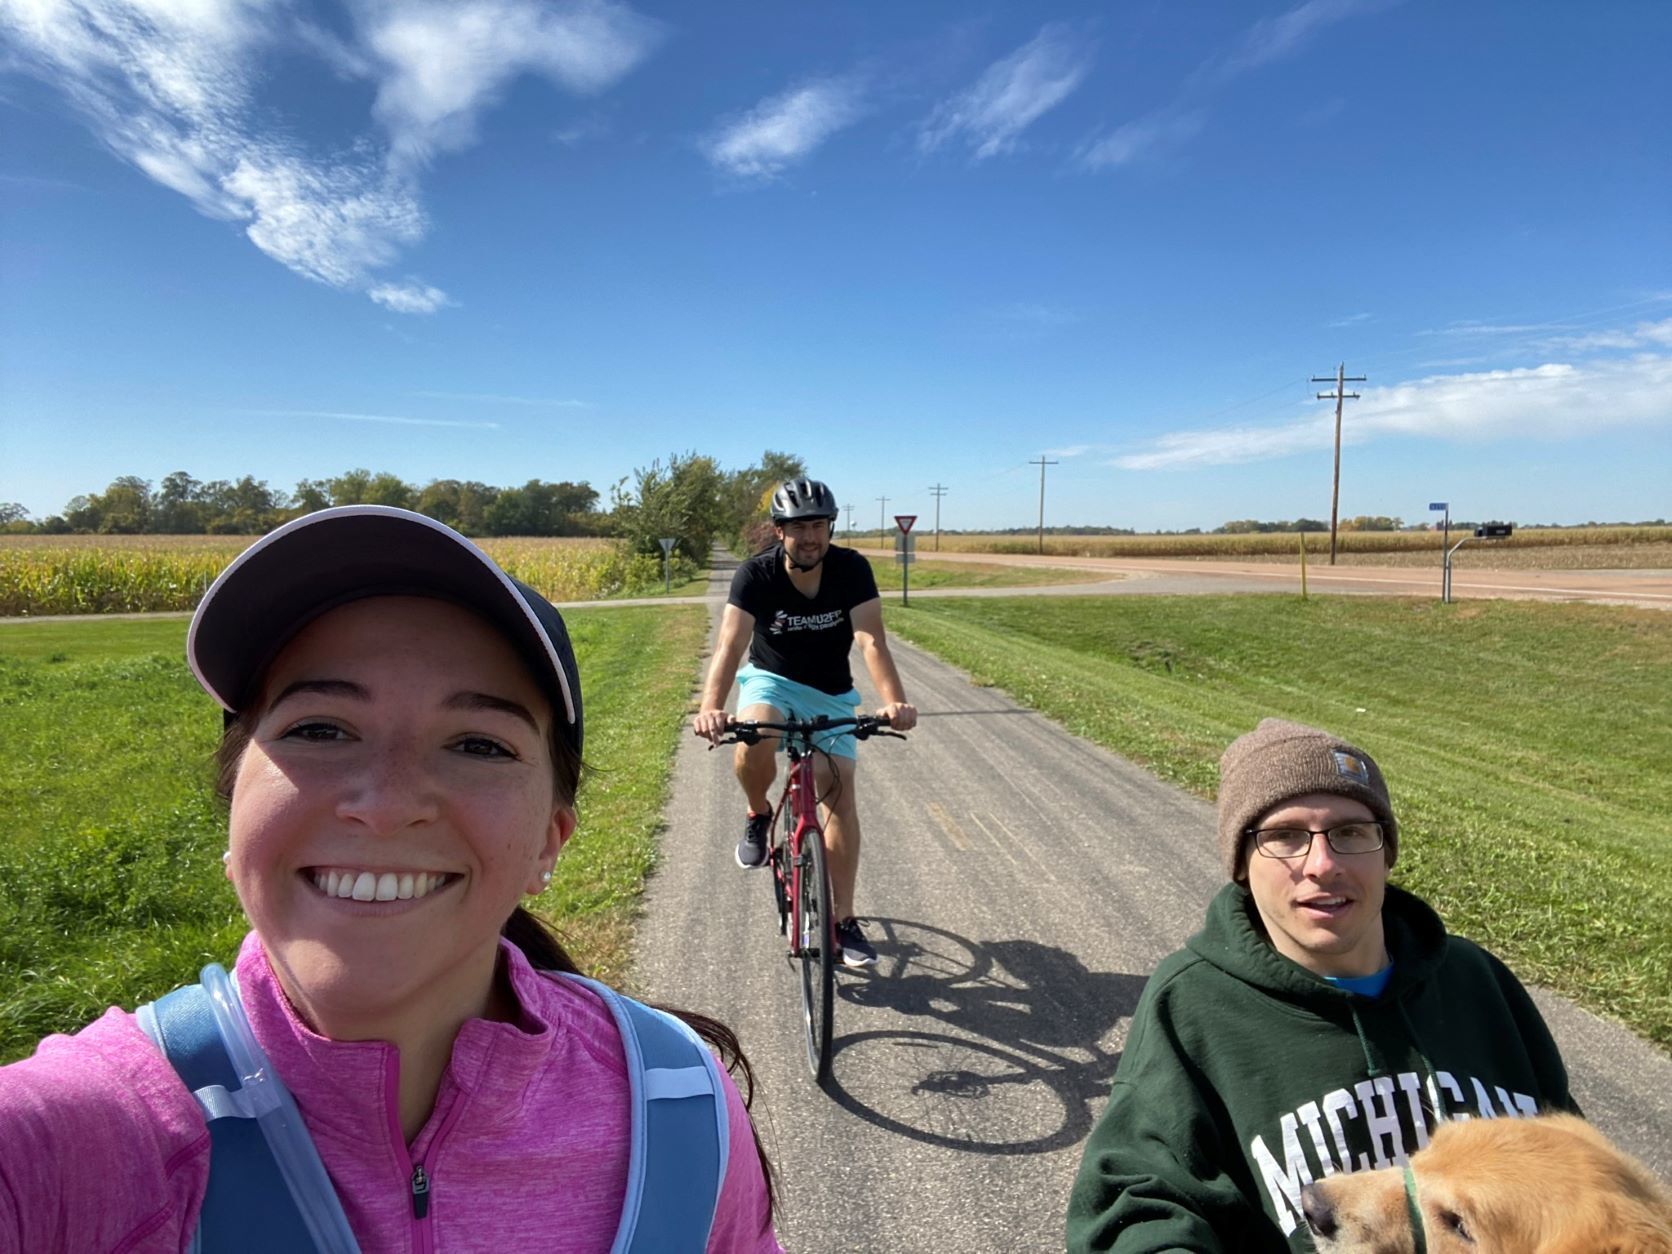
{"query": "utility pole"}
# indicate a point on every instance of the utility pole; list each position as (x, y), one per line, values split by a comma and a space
(1042, 463)
(849, 508)
(1341, 378)
(882, 527)
(937, 492)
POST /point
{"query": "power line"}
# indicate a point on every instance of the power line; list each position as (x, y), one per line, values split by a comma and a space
(1042, 463)
(882, 533)
(937, 492)
(1341, 378)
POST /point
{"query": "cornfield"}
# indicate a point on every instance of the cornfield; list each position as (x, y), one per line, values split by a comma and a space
(144, 574)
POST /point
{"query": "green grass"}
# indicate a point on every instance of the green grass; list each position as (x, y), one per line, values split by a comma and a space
(927, 573)
(1525, 744)
(111, 890)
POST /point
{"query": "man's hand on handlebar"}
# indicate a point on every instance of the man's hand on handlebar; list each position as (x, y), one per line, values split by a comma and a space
(901, 715)
(711, 725)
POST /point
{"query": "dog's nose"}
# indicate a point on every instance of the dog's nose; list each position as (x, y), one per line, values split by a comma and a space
(1320, 1215)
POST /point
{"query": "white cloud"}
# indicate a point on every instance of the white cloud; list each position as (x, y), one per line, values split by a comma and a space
(1351, 320)
(784, 129)
(1273, 38)
(410, 297)
(170, 86)
(1553, 401)
(498, 399)
(1128, 142)
(1031, 313)
(1268, 40)
(1011, 95)
(1071, 450)
(442, 62)
(396, 419)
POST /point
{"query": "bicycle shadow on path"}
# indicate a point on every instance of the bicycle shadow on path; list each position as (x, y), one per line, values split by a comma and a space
(1011, 1058)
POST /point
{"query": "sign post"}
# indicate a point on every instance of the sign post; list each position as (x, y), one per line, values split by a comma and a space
(1437, 507)
(1490, 531)
(667, 543)
(905, 552)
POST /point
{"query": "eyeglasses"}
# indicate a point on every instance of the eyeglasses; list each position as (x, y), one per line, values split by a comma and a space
(1296, 842)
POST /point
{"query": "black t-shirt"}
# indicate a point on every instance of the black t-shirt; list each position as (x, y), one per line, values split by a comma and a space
(806, 639)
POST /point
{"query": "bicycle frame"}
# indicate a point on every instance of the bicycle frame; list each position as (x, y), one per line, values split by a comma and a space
(801, 796)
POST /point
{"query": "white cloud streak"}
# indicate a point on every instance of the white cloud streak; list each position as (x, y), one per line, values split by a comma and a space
(1011, 95)
(411, 297)
(1132, 140)
(1554, 401)
(1267, 41)
(395, 419)
(784, 129)
(497, 399)
(171, 86)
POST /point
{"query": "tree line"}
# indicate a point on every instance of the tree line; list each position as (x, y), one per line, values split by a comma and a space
(689, 497)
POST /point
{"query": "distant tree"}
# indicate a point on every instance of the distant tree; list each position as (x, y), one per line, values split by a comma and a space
(125, 507)
(684, 499)
(309, 497)
(388, 489)
(1372, 522)
(55, 525)
(475, 500)
(439, 499)
(12, 512)
(83, 513)
(350, 487)
(177, 509)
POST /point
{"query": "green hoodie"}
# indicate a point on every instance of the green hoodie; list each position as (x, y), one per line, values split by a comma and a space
(1245, 1077)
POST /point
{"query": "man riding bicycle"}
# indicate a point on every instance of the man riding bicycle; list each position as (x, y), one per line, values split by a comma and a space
(799, 607)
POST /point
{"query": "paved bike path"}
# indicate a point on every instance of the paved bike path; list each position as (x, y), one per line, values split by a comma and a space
(1021, 884)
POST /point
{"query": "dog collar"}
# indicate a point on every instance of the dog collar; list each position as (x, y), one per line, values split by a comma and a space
(1414, 1211)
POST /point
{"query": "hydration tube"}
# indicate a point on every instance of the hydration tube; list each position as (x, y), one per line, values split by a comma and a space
(264, 1098)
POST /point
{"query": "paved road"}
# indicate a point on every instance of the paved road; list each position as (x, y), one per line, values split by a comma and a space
(1022, 883)
(1163, 576)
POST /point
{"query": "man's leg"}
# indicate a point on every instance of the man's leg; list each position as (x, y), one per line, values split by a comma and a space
(756, 767)
(841, 829)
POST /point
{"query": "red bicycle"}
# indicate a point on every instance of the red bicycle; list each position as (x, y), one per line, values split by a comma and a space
(800, 876)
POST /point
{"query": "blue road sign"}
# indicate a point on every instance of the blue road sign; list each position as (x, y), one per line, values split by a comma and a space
(1438, 505)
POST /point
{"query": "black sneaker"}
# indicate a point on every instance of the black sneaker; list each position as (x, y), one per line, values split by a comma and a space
(751, 850)
(856, 950)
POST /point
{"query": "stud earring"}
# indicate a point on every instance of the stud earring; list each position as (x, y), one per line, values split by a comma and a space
(545, 877)
(227, 856)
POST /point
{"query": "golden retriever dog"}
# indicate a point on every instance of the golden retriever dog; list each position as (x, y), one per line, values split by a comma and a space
(1550, 1185)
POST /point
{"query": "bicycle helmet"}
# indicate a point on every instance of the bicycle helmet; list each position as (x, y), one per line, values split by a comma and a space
(803, 498)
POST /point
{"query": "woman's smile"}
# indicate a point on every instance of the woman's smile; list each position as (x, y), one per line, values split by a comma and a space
(357, 884)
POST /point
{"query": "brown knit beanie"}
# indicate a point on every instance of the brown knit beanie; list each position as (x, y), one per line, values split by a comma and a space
(1279, 760)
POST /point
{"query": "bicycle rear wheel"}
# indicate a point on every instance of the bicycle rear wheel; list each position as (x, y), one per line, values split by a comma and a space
(815, 940)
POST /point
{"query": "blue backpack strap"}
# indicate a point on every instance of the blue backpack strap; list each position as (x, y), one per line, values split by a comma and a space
(681, 1130)
(267, 1189)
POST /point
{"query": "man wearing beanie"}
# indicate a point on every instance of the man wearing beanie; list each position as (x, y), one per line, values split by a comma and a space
(1322, 1021)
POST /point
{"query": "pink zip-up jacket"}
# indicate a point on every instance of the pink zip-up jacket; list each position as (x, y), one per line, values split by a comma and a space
(103, 1148)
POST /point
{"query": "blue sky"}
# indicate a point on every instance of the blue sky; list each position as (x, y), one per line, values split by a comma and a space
(916, 244)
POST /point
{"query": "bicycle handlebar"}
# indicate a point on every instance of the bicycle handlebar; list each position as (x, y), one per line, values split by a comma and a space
(748, 731)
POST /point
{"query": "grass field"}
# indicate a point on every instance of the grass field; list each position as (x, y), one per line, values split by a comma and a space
(1560, 546)
(42, 575)
(928, 573)
(1525, 744)
(111, 889)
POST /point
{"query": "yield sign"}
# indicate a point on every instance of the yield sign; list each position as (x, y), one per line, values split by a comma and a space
(904, 522)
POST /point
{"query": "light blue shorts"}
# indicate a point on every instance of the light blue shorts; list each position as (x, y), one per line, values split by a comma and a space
(758, 687)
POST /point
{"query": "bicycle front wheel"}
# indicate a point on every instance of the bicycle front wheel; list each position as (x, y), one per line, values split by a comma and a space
(815, 943)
